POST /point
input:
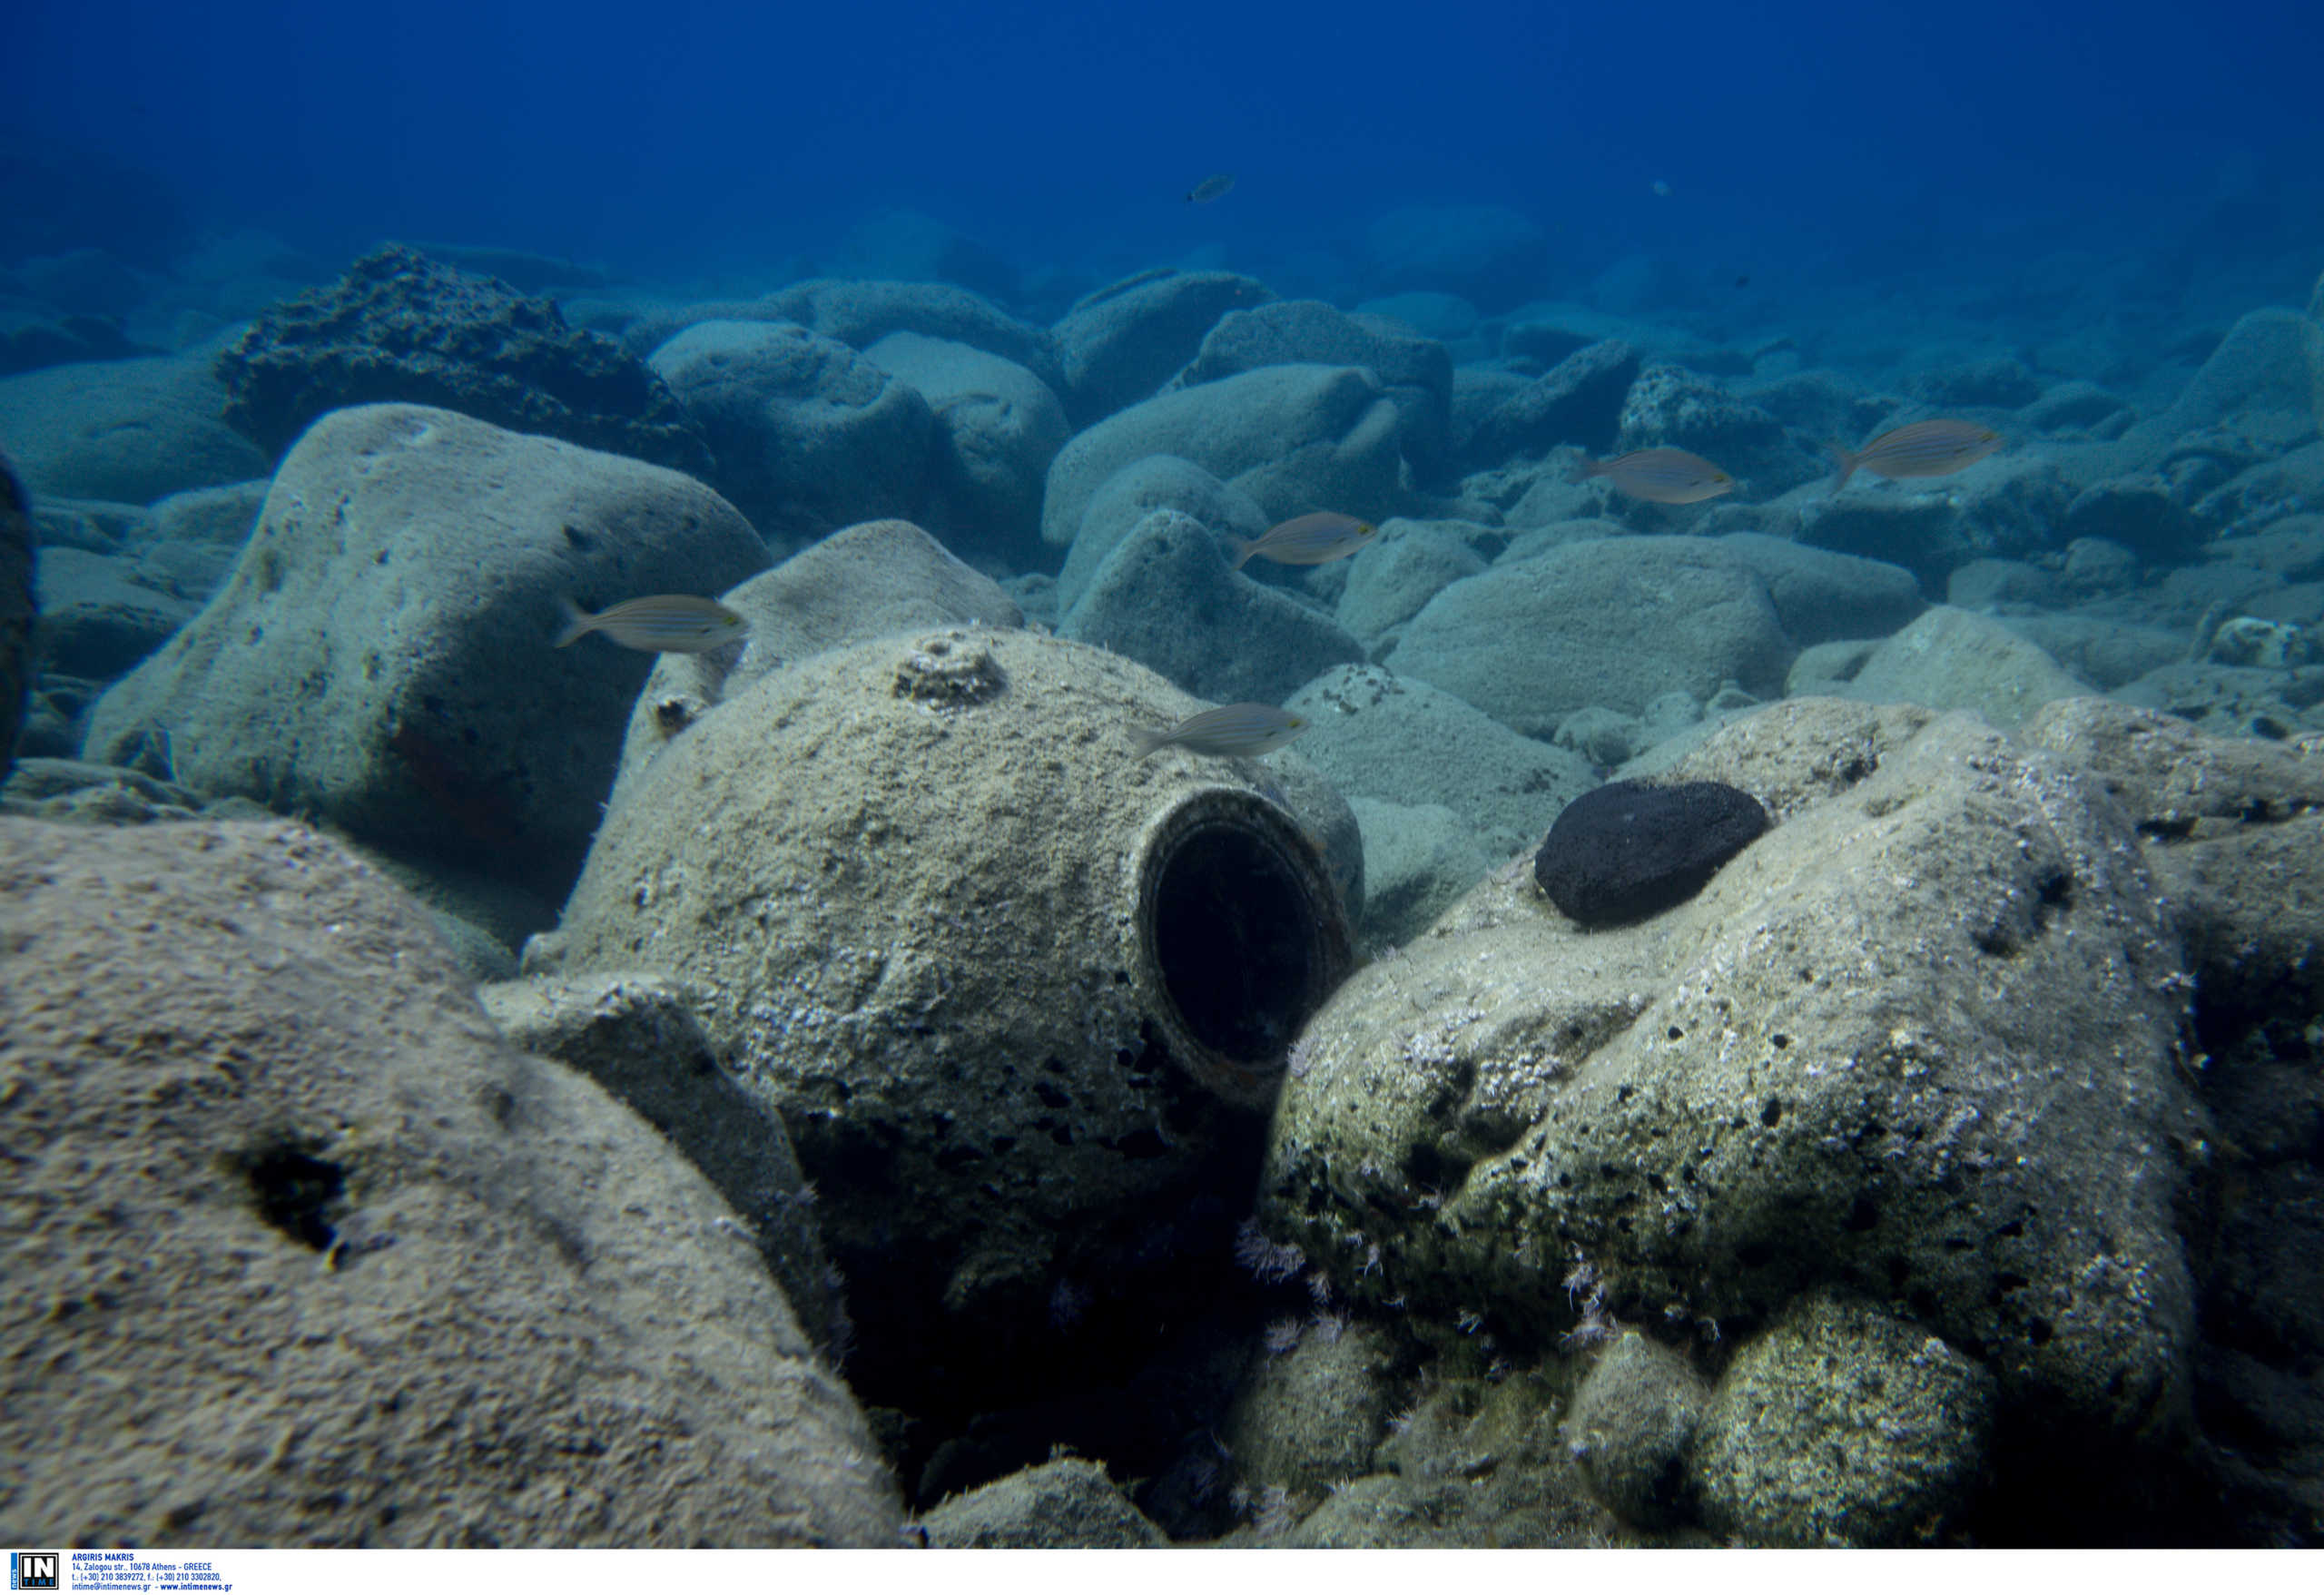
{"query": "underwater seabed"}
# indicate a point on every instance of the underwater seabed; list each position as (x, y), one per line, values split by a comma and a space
(1750, 1014)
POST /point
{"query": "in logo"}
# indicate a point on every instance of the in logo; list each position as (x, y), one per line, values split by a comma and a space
(34, 1570)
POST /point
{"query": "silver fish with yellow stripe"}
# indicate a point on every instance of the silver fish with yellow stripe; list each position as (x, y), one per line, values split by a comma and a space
(1239, 731)
(1659, 476)
(1307, 539)
(1924, 449)
(666, 623)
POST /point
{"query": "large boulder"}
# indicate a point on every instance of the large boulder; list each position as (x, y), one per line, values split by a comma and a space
(1122, 343)
(1159, 481)
(1952, 659)
(1669, 407)
(861, 313)
(393, 1282)
(1416, 371)
(1296, 437)
(1579, 400)
(400, 328)
(1916, 1044)
(1402, 742)
(127, 431)
(1614, 623)
(998, 427)
(809, 434)
(364, 662)
(1165, 597)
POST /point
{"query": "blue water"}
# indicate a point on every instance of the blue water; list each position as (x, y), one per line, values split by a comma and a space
(1817, 143)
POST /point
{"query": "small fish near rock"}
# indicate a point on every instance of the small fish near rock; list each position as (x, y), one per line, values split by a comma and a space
(1659, 476)
(1239, 731)
(666, 623)
(1629, 849)
(1923, 448)
(1307, 539)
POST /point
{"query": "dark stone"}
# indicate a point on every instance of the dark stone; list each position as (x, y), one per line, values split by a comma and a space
(1628, 849)
(16, 608)
(400, 328)
(68, 340)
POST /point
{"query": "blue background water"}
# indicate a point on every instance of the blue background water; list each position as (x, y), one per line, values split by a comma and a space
(1814, 142)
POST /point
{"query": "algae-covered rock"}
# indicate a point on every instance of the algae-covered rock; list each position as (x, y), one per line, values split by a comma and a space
(381, 654)
(1310, 1417)
(1918, 1041)
(1065, 1505)
(1842, 1425)
(321, 1260)
(1632, 1423)
(1014, 990)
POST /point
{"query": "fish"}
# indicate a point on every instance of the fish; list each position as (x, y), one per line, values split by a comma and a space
(1239, 731)
(1661, 189)
(1209, 188)
(667, 622)
(1659, 476)
(1309, 539)
(1924, 449)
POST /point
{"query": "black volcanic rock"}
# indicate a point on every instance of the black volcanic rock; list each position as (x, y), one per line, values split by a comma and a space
(400, 328)
(1628, 849)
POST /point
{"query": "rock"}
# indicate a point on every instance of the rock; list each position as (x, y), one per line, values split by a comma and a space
(1416, 371)
(633, 1035)
(97, 620)
(1843, 1426)
(869, 581)
(2262, 375)
(1403, 742)
(2262, 498)
(1940, 930)
(1628, 851)
(1580, 401)
(1295, 437)
(128, 431)
(2107, 653)
(28, 342)
(415, 1263)
(1159, 481)
(1490, 255)
(1394, 576)
(998, 427)
(2139, 513)
(222, 517)
(1821, 596)
(1918, 532)
(2074, 407)
(1417, 861)
(860, 314)
(1120, 344)
(401, 327)
(1996, 382)
(905, 246)
(82, 282)
(1545, 343)
(2226, 700)
(1311, 1415)
(1446, 316)
(1669, 407)
(1065, 1505)
(2097, 567)
(2291, 550)
(1987, 584)
(1612, 624)
(358, 665)
(1633, 1427)
(17, 610)
(2174, 781)
(1952, 659)
(1165, 597)
(809, 434)
(987, 985)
